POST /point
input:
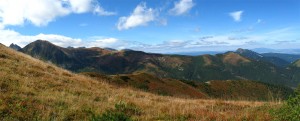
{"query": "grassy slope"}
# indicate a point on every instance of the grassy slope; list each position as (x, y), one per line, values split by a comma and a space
(231, 90)
(150, 83)
(296, 63)
(31, 89)
(244, 90)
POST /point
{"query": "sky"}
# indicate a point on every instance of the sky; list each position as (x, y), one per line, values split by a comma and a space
(160, 26)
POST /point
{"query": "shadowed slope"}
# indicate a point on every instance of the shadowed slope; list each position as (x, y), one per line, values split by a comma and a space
(150, 83)
(231, 90)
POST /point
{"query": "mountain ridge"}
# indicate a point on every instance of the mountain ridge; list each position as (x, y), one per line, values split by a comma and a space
(34, 90)
(227, 66)
(15, 47)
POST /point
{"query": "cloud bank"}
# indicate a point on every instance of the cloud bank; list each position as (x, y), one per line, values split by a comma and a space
(215, 42)
(41, 12)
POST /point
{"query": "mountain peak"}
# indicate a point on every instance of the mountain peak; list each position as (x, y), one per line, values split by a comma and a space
(42, 41)
(15, 47)
(249, 53)
(42, 44)
(241, 51)
(234, 58)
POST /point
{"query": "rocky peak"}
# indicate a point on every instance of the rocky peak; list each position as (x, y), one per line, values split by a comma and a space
(15, 47)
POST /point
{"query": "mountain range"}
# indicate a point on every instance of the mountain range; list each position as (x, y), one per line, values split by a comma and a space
(32, 89)
(242, 64)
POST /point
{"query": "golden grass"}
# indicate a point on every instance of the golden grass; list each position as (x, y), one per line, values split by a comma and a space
(33, 90)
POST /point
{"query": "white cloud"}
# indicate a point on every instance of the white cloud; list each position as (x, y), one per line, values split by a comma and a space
(9, 36)
(108, 42)
(141, 16)
(38, 12)
(81, 6)
(287, 37)
(182, 7)
(41, 12)
(59, 40)
(236, 15)
(100, 11)
(103, 42)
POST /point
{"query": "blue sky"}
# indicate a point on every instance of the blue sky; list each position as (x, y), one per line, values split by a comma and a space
(153, 25)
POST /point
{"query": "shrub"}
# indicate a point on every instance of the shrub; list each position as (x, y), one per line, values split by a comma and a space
(112, 116)
(290, 111)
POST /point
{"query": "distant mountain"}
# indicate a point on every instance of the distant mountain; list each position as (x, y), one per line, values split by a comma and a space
(47, 51)
(227, 66)
(197, 53)
(268, 50)
(249, 54)
(263, 50)
(260, 57)
(15, 47)
(287, 57)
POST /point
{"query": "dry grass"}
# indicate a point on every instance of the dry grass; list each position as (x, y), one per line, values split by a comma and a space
(33, 90)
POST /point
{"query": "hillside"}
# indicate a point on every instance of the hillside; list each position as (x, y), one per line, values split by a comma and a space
(229, 90)
(244, 90)
(296, 64)
(34, 90)
(227, 66)
(150, 83)
(295, 69)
